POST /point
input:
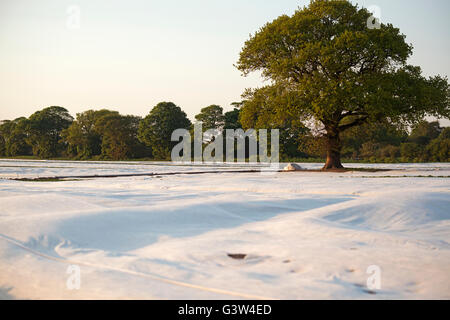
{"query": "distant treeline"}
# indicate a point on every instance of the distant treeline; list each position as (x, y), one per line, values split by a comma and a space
(108, 135)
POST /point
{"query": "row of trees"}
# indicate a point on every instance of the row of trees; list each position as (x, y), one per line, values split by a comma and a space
(105, 134)
(385, 142)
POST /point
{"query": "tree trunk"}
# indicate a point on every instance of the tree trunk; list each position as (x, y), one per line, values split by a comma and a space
(334, 147)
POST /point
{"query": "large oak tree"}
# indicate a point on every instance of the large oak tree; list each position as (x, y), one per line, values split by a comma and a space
(328, 64)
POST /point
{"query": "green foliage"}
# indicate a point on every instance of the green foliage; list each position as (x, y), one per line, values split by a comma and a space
(104, 134)
(212, 117)
(4, 134)
(120, 137)
(410, 151)
(438, 150)
(43, 130)
(313, 146)
(424, 132)
(155, 130)
(12, 138)
(445, 134)
(17, 143)
(384, 142)
(83, 137)
(389, 152)
(325, 64)
(368, 139)
(262, 111)
(232, 119)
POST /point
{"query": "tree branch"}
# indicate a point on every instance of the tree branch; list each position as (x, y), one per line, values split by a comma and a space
(356, 122)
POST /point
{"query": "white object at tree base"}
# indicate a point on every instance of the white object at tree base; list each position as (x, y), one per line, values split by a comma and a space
(292, 167)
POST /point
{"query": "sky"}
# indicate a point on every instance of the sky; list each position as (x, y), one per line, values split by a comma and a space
(130, 55)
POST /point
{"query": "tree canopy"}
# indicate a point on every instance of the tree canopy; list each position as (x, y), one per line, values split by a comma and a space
(212, 117)
(120, 137)
(231, 119)
(83, 137)
(13, 138)
(155, 130)
(44, 129)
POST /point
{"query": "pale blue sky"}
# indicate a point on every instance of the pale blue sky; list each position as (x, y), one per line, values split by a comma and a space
(130, 55)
